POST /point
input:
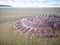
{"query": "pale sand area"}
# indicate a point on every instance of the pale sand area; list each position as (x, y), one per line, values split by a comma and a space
(10, 36)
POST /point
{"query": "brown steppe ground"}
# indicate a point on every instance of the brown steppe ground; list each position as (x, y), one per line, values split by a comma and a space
(11, 36)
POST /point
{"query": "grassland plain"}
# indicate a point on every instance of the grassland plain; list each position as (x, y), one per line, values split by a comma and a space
(11, 36)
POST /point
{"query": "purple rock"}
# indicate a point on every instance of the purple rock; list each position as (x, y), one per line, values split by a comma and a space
(57, 26)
